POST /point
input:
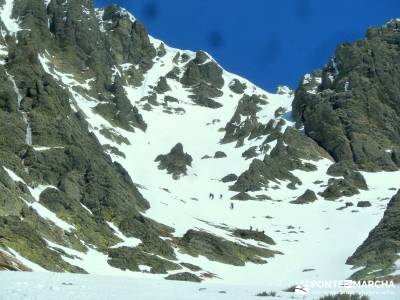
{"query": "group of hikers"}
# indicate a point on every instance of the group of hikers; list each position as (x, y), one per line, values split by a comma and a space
(211, 196)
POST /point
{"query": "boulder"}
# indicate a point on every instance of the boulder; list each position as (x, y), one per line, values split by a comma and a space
(175, 162)
(184, 276)
(219, 154)
(219, 249)
(308, 197)
(229, 178)
(363, 204)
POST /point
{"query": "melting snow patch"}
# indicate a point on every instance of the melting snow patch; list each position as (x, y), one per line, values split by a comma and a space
(87, 209)
(45, 213)
(126, 241)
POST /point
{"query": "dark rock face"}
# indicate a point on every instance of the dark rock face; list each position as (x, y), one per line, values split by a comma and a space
(346, 187)
(219, 154)
(308, 197)
(206, 102)
(254, 235)
(237, 87)
(162, 86)
(184, 276)
(120, 111)
(82, 172)
(236, 130)
(208, 72)
(243, 197)
(286, 156)
(229, 178)
(175, 162)
(202, 243)
(129, 259)
(363, 204)
(204, 77)
(340, 169)
(355, 112)
(191, 267)
(250, 153)
(129, 39)
(380, 250)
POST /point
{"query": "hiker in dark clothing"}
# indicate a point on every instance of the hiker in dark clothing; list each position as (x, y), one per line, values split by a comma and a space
(251, 228)
(231, 205)
(211, 196)
(220, 196)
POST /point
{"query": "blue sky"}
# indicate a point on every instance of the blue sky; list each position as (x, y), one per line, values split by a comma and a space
(270, 42)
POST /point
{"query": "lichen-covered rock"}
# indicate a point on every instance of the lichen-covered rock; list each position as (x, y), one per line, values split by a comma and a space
(201, 57)
(184, 276)
(175, 162)
(129, 40)
(354, 113)
(347, 186)
(24, 238)
(363, 204)
(174, 73)
(191, 267)
(254, 235)
(219, 154)
(307, 197)
(206, 102)
(250, 153)
(161, 50)
(208, 72)
(120, 111)
(126, 258)
(218, 249)
(242, 197)
(288, 154)
(229, 178)
(341, 169)
(76, 163)
(204, 77)
(244, 122)
(379, 252)
(339, 188)
(162, 86)
(237, 87)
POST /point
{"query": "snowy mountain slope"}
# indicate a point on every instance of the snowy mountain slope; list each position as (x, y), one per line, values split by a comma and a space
(134, 105)
(183, 204)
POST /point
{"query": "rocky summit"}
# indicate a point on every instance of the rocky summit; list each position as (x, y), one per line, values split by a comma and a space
(120, 155)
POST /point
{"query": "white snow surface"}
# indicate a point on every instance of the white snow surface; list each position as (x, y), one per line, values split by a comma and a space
(49, 286)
